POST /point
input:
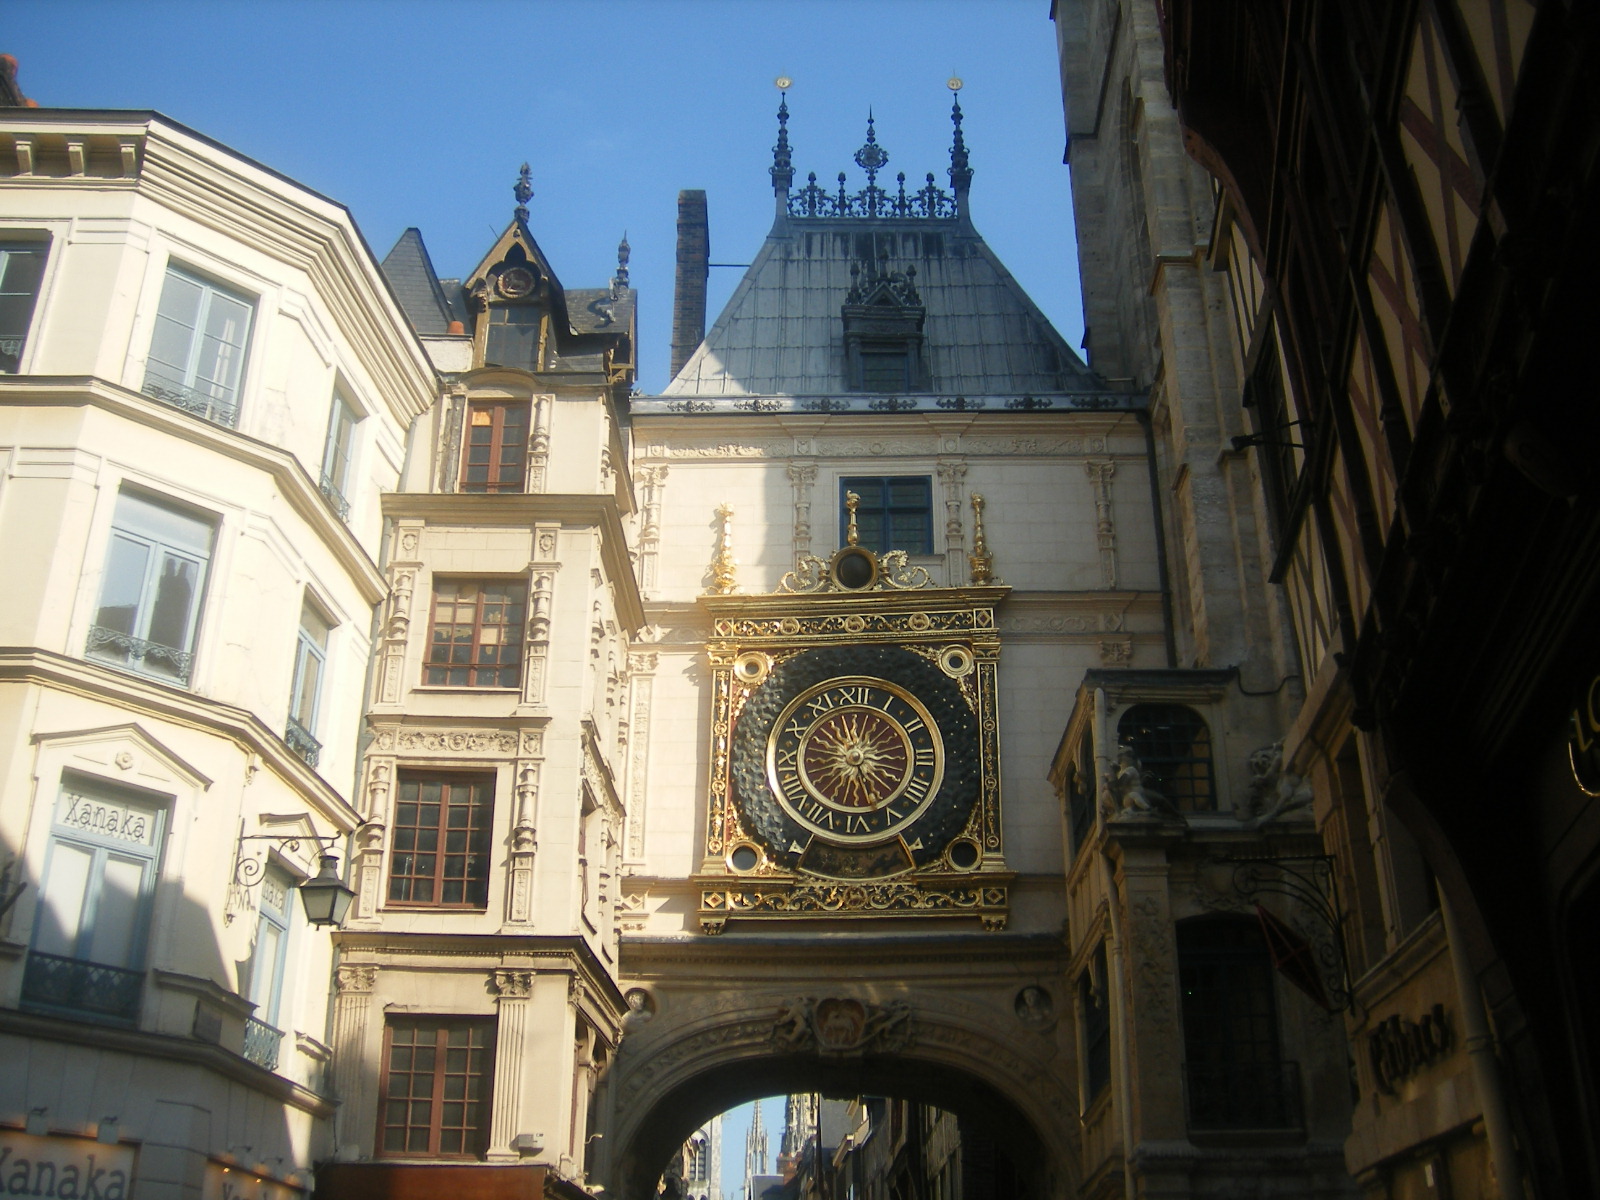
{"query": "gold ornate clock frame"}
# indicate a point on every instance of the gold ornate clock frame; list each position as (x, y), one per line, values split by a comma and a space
(854, 748)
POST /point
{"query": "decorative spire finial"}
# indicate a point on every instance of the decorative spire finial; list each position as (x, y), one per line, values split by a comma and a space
(782, 168)
(852, 534)
(724, 566)
(619, 281)
(960, 172)
(871, 157)
(981, 560)
(523, 192)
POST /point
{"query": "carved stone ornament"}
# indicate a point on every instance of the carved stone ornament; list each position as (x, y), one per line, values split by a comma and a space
(458, 741)
(358, 978)
(1274, 792)
(1129, 786)
(512, 985)
(840, 1026)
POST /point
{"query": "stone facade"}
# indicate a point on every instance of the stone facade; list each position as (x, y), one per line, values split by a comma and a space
(175, 751)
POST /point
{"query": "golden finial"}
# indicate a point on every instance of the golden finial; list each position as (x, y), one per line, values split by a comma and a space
(724, 566)
(980, 558)
(851, 535)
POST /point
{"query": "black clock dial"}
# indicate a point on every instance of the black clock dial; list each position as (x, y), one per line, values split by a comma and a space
(856, 762)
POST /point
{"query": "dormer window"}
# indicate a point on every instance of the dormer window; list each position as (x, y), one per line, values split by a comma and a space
(883, 329)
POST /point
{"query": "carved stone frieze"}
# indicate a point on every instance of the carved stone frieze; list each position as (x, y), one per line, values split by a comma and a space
(842, 1026)
(449, 741)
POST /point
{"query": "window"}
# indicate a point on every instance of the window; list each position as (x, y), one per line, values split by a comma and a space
(885, 369)
(895, 513)
(155, 578)
(87, 952)
(1095, 1007)
(197, 353)
(310, 660)
(441, 841)
(437, 1075)
(21, 268)
(264, 986)
(495, 457)
(1232, 1073)
(336, 456)
(477, 633)
(1173, 746)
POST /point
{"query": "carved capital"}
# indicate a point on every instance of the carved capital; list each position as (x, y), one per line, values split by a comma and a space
(512, 985)
(356, 978)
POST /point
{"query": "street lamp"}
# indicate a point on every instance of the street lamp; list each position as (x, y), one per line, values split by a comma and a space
(325, 897)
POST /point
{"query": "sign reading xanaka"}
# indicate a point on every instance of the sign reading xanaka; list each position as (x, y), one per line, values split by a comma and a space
(231, 1183)
(63, 1168)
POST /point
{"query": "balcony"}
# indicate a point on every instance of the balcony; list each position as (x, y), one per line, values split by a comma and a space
(334, 497)
(261, 1042)
(78, 988)
(219, 410)
(1240, 1096)
(298, 738)
(147, 658)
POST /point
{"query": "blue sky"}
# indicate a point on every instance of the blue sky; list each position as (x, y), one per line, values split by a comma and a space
(419, 112)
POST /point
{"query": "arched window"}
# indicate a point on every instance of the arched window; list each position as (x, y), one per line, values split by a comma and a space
(1173, 746)
(1233, 1075)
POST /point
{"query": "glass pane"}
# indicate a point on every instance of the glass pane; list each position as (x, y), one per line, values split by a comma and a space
(61, 908)
(336, 458)
(174, 603)
(221, 359)
(264, 970)
(160, 523)
(314, 626)
(174, 337)
(115, 940)
(127, 563)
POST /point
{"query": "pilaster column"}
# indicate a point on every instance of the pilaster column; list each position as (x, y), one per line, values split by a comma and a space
(541, 603)
(524, 838)
(641, 669)
(803, 474)
(514, 1003)
(351, 1017)
(951, 473)
(396, 631)
(539, 445)
(1105, 525)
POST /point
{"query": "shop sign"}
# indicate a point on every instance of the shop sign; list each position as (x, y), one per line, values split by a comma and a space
(63, 1168)
(1583, 739)
(1400, 1048)
(232, 1183)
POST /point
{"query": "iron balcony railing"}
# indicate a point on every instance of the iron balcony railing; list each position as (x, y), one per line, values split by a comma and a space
(261, 1042)
(148, 658)
(219, 410)
(88, 989)
(298, 738)
(334, 497)
(1243, 1095)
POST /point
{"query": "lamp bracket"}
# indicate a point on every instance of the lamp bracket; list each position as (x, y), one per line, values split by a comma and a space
(1309, 881)
(247, 871)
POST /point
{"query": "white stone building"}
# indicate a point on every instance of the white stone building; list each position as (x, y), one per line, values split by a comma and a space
(206, 386)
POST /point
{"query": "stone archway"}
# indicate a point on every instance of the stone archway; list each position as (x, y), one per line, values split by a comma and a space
(956, 1039)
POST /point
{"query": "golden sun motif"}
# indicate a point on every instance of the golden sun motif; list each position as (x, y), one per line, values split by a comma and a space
(857, 757)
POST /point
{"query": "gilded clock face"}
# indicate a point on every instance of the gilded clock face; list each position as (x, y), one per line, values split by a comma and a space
(855, 762)
(855, 759)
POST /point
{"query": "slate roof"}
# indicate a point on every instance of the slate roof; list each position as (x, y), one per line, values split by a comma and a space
(781, 334)
(410, 273)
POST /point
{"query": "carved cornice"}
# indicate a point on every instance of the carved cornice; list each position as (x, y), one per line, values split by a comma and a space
(601, 512)
(895, 957)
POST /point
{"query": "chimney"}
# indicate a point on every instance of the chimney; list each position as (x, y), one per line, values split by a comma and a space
(689, 292)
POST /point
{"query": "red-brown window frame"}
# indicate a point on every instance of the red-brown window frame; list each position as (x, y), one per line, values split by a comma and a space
(505, 461)
(474, 838)
(437, 667)
(475, 1136)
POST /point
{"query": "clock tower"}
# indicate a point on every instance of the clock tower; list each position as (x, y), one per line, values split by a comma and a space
(854, 746)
